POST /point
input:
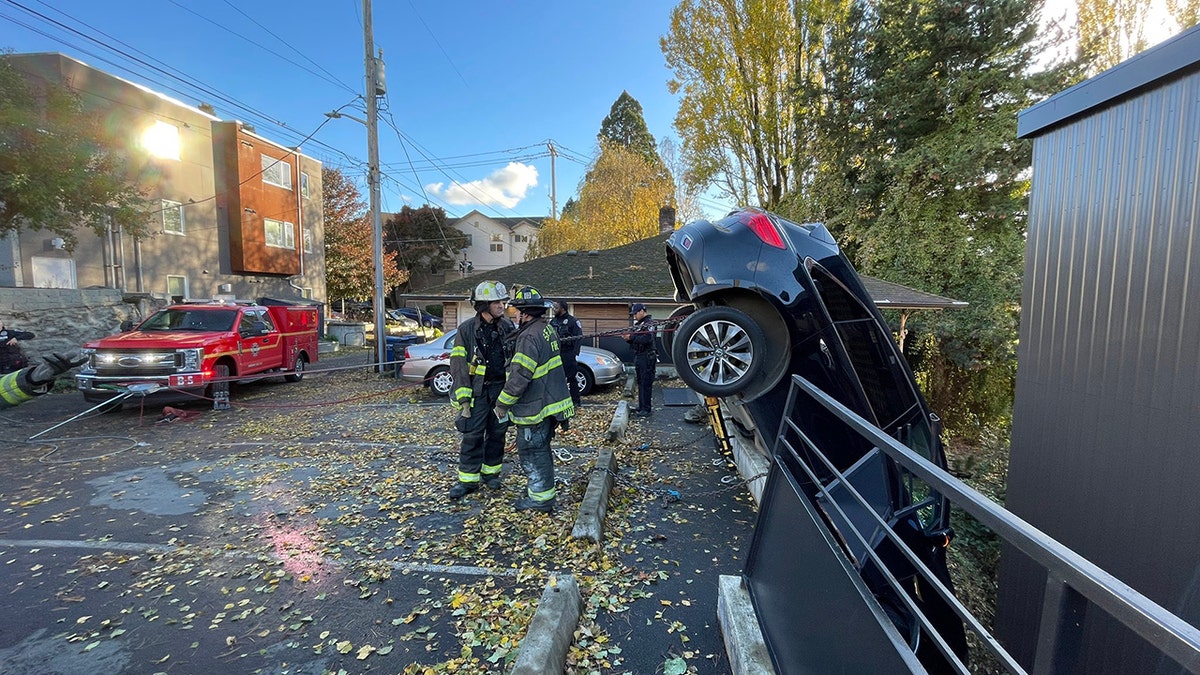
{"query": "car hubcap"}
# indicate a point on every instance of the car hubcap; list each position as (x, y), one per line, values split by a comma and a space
(720, 352)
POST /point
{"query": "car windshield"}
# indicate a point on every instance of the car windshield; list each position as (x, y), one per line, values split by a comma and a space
(191, 319)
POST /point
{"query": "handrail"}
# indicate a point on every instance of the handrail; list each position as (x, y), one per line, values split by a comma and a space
(1162, 629)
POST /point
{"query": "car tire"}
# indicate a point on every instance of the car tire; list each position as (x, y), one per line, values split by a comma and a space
(718, 350)
(297, 373)
(440, 381)
(584, 380)
(220, 372)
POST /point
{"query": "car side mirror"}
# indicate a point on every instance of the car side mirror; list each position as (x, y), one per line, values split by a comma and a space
(126, 325)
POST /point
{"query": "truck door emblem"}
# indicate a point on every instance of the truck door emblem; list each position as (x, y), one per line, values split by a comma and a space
(254, 349)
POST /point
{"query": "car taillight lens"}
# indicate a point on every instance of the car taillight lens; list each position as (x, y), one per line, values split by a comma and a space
(761, 225)
(407, 356)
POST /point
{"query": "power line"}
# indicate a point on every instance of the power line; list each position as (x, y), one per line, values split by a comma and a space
(289, 46)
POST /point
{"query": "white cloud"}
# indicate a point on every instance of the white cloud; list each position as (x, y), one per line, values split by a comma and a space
(504, 187)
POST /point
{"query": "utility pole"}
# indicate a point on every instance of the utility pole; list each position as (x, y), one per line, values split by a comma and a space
(553, 183)
(373, 90)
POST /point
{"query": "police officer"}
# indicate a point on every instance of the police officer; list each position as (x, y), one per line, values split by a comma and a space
(477, 363)
(645, 359)
(569, 331)
(535, 398)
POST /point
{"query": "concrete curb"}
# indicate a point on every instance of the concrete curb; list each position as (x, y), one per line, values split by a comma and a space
(589, 524)
(739, 626)
(620, 422)
(750, 463)
(544, 649)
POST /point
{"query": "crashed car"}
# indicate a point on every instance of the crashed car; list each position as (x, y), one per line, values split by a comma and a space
(769, 298)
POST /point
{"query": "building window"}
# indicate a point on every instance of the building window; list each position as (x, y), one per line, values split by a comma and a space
(177, 287)
(276, 172)
(161, 140)
(172, 217)
(497, 237)
(521, 238)
(470, 240)
(496, 248)
(304, 185)
(308, 239)
(279, 234)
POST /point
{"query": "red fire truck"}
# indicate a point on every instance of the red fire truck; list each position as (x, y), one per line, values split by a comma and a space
(196, 348)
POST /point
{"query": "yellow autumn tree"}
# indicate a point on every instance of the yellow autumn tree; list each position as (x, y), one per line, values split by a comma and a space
(619, 200)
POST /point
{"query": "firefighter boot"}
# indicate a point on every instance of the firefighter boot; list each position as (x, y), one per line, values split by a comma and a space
(527, 503)
(493, 482)
(461, 490)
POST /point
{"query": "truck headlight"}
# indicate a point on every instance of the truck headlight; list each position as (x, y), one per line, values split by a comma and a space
(191, 359)
(90, 364)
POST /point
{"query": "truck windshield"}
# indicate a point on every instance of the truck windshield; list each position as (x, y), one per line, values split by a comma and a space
(191, 319)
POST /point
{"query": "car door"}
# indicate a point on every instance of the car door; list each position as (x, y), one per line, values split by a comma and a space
(258, 345)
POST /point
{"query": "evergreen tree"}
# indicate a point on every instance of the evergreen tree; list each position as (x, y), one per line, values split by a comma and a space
(422, 240)
(625, 125)
(930, 185)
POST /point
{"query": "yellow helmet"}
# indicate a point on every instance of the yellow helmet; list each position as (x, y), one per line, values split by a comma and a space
(489, 291)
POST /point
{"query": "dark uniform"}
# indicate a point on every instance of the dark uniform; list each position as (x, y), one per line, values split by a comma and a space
(477, 363)
(645, 358)
(569, 331)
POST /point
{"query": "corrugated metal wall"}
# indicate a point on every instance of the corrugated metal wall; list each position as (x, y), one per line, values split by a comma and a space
(1106, 431)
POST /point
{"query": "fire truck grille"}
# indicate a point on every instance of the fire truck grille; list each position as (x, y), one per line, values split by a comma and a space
(116, 364)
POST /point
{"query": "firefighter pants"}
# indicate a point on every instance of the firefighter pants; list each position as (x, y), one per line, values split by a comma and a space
(482, 450)
(533, 447)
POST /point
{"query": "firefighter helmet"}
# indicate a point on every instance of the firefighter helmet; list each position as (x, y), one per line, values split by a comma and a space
(527, 299)
(489, 291)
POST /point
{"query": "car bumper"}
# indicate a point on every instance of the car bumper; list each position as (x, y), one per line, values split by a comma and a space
(605, 374)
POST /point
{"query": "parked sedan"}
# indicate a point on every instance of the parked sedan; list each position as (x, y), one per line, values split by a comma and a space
(430, 363)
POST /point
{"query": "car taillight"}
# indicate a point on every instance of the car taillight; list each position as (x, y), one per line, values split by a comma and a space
(761, 225)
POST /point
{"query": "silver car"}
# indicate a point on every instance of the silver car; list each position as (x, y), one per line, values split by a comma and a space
(429, 362)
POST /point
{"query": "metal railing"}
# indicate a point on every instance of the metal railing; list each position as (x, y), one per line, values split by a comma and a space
(1073, 584)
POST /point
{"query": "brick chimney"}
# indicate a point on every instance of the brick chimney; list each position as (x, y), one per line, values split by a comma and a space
(666, 219)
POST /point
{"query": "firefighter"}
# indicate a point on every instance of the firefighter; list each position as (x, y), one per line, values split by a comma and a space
(477, 364)
(27, 383)
(535, 398)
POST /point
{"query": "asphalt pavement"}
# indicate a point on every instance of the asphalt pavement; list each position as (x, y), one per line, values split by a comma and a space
(306, 530)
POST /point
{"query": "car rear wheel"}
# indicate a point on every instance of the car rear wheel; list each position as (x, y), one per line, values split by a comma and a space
(718, 350)
(440, 381)
(297, 373)
(584, 381)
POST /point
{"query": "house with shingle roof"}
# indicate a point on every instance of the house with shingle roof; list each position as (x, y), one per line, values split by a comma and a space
(599, 286)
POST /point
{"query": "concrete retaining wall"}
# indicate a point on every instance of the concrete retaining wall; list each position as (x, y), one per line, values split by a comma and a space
(63, 318)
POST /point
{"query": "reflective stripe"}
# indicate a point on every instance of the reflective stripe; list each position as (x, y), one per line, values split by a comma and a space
(520, 359)
(480, 369)
(506, 399)
(554, 362)
(11, 392)
(552, 409)
(464, 477)
(458, 350)
(491, 470)
(542, 496)
(461, 393)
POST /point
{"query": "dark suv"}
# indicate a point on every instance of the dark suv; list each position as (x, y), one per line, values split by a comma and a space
(770, 298)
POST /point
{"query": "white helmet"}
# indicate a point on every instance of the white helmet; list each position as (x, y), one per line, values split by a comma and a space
(489, 291)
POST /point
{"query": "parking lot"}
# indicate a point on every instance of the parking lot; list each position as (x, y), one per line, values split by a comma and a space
(306, 530)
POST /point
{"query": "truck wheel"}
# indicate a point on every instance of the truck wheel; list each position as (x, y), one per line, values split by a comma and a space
(220, 372)
(297, 373)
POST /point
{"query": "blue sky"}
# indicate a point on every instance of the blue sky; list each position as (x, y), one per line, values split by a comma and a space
(477, 88)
